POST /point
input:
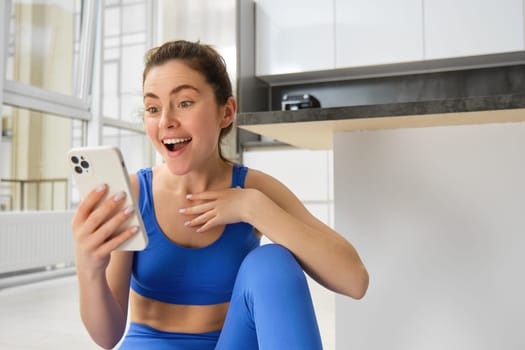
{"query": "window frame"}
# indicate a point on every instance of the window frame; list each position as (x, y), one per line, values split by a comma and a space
(78, 105)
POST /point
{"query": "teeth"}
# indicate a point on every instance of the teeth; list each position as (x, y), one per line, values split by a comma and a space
(175, 141)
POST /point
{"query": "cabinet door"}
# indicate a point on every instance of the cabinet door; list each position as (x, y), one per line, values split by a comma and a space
(370, 32)
(455, 28)
(294, 36)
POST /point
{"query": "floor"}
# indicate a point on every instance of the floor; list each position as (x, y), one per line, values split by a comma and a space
(44, 315)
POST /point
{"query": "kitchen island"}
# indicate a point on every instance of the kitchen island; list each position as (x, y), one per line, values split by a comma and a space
(314, 128)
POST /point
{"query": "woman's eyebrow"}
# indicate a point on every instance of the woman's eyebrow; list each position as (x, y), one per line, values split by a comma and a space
(150, 95)
(183, 87)
(172, 92)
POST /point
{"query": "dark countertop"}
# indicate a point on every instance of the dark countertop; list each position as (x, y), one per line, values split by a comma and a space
(314, 128)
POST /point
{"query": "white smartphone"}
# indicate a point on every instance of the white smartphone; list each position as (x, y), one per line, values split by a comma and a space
(92, 166)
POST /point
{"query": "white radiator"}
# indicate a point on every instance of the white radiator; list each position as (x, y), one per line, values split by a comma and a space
(36, 239)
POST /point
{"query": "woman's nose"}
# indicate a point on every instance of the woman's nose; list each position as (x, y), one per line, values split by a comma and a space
(168, 119)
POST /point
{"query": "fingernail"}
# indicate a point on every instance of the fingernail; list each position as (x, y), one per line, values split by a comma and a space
(128, 210)
(119, 195)
(134, 229)
(182, 210)
(188, 196)
(187, 223)
(100, 188)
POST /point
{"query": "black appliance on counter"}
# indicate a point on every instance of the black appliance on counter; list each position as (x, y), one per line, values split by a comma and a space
(295, 102)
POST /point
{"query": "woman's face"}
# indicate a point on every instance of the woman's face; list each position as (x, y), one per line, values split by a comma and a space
(182, 117)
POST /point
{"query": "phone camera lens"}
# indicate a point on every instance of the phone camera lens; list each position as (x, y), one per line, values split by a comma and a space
(74, 159)
(84, 164)
(78, 169)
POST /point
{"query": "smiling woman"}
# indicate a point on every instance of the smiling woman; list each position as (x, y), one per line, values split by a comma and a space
(192, 87)
(178, 102)
(203, 282)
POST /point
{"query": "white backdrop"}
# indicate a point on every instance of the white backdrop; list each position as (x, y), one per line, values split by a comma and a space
(438, 215)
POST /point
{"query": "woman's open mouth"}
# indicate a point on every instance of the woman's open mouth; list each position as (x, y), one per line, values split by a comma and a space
(176, 144)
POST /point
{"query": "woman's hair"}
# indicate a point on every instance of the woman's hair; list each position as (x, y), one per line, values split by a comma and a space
(200, 57)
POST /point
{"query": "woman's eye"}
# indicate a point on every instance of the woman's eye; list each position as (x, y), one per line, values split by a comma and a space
(185, 104)
(152, 110)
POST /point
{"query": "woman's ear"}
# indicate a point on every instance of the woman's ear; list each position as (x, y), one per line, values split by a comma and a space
(229, 110)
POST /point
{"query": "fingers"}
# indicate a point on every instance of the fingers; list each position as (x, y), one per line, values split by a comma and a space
(97, 224)
(202, 196)
(205, 213)
(210, 195)
(99, 228)
(106, 232)
(87, 204)
(214, 211)
(100, 214)
(112, 244)
(206, 220)
(197, 209)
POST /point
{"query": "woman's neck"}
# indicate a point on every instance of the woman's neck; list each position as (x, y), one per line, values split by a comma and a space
(209, 177)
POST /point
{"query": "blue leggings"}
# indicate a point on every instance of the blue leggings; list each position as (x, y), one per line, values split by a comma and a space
(271, 308)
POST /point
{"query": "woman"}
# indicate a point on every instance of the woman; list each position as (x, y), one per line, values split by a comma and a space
(203, 282)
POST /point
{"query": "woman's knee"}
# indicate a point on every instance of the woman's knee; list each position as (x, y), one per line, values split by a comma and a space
(271, 263)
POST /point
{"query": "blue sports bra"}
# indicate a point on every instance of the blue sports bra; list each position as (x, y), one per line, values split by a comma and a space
(170, 273)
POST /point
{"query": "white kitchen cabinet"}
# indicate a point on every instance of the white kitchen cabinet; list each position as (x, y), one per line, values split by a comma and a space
(378, 32)
(455, 28)
(294, 36)
(331, 37)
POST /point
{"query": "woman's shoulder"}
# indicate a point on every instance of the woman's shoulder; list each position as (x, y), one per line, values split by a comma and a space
(259, 179)
(273, 188)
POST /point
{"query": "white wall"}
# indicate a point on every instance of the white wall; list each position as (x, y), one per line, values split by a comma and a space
(309, 175)
(438, 215)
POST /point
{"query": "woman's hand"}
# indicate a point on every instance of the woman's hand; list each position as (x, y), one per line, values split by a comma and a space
(96, 228)
(220, 207)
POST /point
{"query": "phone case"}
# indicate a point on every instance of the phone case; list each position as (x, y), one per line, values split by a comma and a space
(92, 166)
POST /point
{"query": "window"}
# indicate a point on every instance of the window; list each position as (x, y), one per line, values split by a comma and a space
(133, 145)
(34, 174)
(52, 98)
(125, 43)
(43, 44)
